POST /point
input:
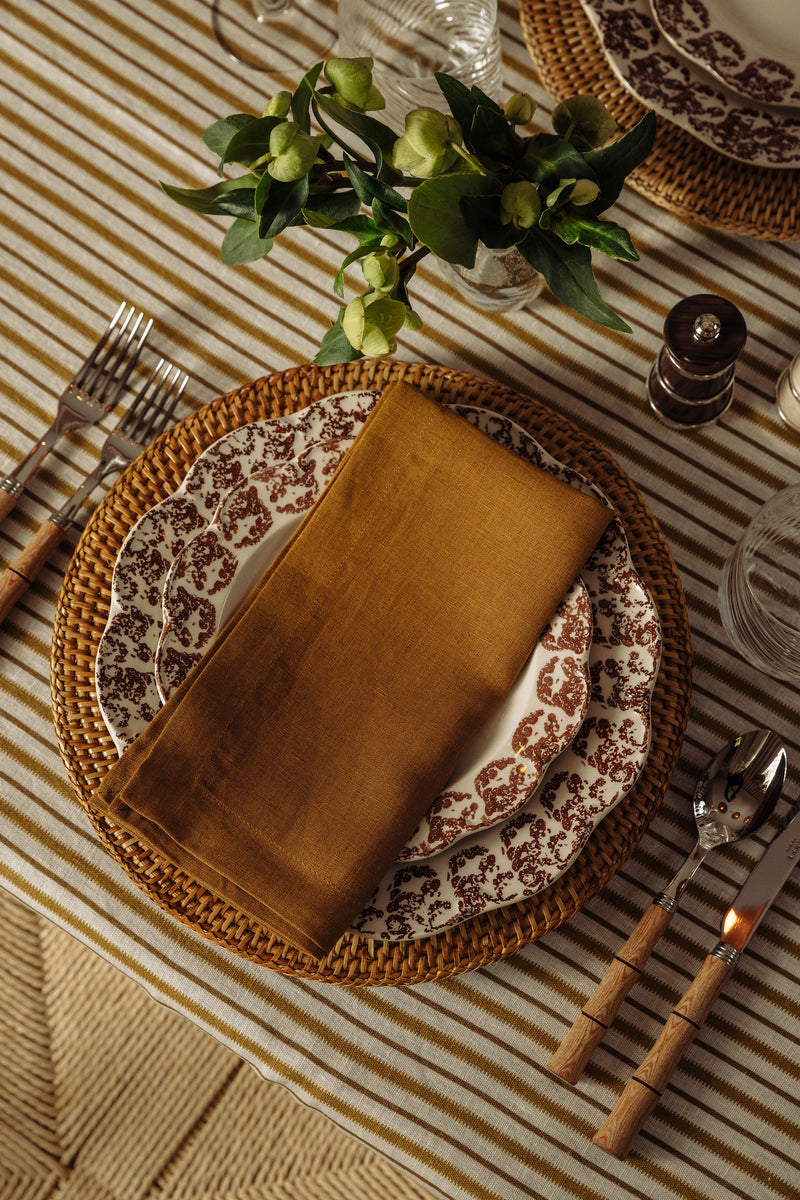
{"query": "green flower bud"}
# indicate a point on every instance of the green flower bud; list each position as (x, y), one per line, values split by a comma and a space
(520, 205)
(279, 105)
(585, 191)
(371, 322)
(584, 122)
(520, 108)
(352, 81)
(292, 152)
(390, 240)
(426, 148)
(381, 272)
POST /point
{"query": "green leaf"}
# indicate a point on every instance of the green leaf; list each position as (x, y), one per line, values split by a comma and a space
(568, 273)
(612, 164)
(334, 347)
(436, 217)
(492, 138)
(367, 188)
(482, 99)
(301, 100)
(379, 137)
(202, 200)
(325, 210)
(218, 135)
(547, 160)
(240, 202)
(242, 244)
(283, 206)
(361, 226)
(391, 221)
(263, 188)
(607, 237)
(459, 99)
(251, 142)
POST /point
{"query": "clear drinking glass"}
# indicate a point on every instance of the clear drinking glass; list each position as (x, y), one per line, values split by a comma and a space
(759, 592)
(410, 39)
(281, 37)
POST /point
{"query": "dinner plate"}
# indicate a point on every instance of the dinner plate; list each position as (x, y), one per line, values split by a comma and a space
(516, 857)
(677, 88)
(218, 567)
(753, 46)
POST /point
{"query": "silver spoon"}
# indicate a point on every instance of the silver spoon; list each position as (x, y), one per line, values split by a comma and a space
(733, 797)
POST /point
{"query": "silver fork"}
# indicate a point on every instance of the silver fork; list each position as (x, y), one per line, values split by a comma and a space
(148, 416)
(93, 392)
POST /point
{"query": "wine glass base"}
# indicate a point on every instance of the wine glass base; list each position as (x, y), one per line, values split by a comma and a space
(286, 42)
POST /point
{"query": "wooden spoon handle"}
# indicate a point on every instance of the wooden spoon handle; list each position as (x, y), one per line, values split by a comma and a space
(642, 1093)
(597, 1015)
(20, 574)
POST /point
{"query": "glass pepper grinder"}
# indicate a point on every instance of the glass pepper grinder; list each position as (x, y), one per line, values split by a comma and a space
(691, 382)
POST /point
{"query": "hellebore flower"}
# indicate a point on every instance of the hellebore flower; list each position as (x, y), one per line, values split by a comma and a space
(426, 147)
(584, 121)
(292, 152)
(520, 108)
(279, 105)
(520, 205)
(381, 272)
(370, 323)
(352, 81)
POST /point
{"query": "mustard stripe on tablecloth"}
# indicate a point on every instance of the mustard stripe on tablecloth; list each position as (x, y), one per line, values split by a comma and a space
(97, 103)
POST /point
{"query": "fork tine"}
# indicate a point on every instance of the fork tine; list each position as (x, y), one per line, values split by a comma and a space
(141, 401)
(95, 359)
(160, 406)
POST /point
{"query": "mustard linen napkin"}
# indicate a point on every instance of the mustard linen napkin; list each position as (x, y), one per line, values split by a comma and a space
(288, 770)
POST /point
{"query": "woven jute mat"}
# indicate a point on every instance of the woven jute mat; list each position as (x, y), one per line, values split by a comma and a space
(163, 1111)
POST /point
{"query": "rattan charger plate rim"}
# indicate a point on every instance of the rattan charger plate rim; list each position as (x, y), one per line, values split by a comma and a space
(682, 174)
(88, 751)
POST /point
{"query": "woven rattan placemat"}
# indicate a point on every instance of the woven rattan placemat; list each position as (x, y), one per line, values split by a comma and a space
(88, 751)
(681, 174)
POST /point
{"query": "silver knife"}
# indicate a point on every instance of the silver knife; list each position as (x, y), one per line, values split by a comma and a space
(644, 1090)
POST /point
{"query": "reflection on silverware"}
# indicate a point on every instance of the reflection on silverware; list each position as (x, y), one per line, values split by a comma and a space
(148, 417)
(736, 793)
(646, 1087)
(92, 393)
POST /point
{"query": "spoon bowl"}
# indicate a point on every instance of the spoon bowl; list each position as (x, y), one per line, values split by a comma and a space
(734, 796)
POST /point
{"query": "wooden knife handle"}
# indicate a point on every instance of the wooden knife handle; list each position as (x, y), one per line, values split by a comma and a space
(597, 1015)
(644, 1090)
(20, 574)
(7, 502)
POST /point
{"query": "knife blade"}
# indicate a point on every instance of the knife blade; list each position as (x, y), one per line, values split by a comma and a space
(644, 1090)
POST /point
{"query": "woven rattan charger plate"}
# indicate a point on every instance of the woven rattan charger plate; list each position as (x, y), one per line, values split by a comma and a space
(681, 174)
(88, 751)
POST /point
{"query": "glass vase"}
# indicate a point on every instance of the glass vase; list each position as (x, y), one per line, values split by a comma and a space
(500, 280)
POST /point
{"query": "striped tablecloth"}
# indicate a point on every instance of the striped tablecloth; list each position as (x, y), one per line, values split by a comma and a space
(99, 102)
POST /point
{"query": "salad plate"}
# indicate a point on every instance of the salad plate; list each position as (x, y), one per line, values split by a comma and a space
(753, 48)
(664, 79)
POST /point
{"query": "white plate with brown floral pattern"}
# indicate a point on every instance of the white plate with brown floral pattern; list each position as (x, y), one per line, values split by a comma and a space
(218, 567)
(752, 46)
(664, 79)
(517, 855)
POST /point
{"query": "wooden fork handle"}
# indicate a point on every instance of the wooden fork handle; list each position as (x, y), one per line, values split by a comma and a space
(644, 1090)
(18, 577)
(8, 501)
(597, 1015)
